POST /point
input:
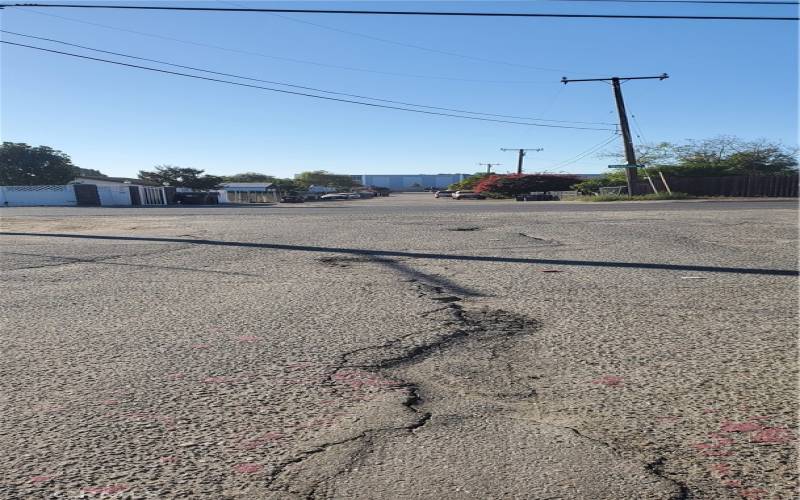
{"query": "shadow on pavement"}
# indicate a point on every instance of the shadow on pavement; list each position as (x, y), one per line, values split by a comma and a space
(422, 255)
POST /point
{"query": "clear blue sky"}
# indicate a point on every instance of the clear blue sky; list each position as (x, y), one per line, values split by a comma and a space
(727, 77)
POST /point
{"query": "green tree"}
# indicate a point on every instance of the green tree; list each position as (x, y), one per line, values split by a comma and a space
(715, 157)
(87, 172)
(718, 156)
(727, 155)
(24, 165)
(249, 177)
(171, 175)
(284, 185)
(324, 178)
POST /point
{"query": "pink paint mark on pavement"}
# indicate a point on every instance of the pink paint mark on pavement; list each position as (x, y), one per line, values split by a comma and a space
(721, 469)
(717, 453)
(262, 440)
(40, 479)
(247, 338)
(248, 468)
(217, 380)
(732, 483)
(728, 426)
(200, 346)
(106, 490)
(709, 410)
(753, 493)
(176, 376)
(773, 435)
(608, 380)
(171, 459)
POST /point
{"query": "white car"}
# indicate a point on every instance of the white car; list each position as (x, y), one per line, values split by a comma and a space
(334, 196)
(468, 195)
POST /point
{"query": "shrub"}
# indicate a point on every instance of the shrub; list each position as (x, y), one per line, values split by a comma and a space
(511, 185)
(468, 183)
(643, 197)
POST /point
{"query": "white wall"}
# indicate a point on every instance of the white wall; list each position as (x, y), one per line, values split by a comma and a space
(114, 195)
(38, 195)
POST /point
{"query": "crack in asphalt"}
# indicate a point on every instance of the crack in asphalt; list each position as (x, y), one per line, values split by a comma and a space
(462, 324)
(106, 260)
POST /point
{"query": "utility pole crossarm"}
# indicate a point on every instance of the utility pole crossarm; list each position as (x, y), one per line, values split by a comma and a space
(631, 169)
(662, 76)
(489, 166)
(521, 152)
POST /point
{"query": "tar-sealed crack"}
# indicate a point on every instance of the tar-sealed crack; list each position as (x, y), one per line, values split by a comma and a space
(490, 330)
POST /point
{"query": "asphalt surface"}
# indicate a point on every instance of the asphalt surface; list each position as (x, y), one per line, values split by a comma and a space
(401, 347)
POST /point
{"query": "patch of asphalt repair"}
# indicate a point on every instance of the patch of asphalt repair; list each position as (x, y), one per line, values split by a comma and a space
(459, 381)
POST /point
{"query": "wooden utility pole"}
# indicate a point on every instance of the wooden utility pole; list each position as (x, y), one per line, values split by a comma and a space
(521, 154)
(630, 153)
(489, 166)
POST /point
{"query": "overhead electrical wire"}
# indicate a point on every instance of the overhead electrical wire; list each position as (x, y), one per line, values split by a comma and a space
(411, 45)
(291, 92)
(587, 152)
(282, 58)
(403, 12)
(701, 2)
(203, 70)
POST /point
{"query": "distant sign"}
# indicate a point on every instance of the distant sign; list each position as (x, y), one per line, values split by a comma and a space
(625, 166)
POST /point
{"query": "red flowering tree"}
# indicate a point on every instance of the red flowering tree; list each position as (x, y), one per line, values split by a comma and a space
(514, 184)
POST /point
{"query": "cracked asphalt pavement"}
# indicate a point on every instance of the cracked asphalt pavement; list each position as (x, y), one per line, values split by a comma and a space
(401, 347)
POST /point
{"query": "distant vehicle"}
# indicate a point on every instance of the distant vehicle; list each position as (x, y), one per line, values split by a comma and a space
(334, 196)
(197, 198)
(353, 196)
(467, 195)
(292, 198)
(443, 194)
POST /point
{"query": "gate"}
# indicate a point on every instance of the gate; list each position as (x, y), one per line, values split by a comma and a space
(146, 195)
(86, 195)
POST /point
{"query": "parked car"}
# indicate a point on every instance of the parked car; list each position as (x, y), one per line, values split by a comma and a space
(292, 198)
(467, 195)
(443, 194)
(353, 196)
(334, 196)
(535, 197)
(196, 198)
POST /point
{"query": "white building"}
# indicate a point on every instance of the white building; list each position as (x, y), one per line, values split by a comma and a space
(249, 192)
(86, 191)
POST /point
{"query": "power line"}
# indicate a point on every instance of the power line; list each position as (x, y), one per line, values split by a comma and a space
(409, 45)
(639, 131)
(703, 2)
(402, 12)
(587, 152)
(291, 84)
(291, 92)
(280, 58)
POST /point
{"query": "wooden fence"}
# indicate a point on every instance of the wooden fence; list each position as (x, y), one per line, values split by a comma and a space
(734, 185)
